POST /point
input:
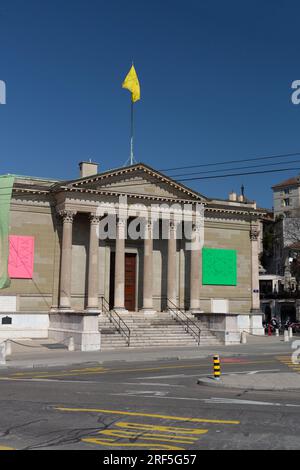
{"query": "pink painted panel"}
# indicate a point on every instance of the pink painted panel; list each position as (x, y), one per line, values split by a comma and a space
(21, 257)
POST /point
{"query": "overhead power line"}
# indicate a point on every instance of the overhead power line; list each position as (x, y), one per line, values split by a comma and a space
(238, 174)
(237, 168)
(119, 187)
(284, 155)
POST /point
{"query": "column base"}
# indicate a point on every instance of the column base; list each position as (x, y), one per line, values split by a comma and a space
(195, 311)
(64, 310)
(148, 311)
(93, 310)
(172, 309)
(120, 310)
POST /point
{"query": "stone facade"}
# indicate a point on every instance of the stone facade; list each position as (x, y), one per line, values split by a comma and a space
(73, 269)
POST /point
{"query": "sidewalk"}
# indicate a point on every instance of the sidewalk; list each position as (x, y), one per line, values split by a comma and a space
(287, 381)
(46, 353)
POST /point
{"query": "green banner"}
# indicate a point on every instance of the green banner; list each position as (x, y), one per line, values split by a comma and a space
(6, 184)
(219, 267)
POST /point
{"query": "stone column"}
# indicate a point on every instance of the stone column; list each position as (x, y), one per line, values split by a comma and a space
(254, 233)
(66, 260)
(195, 269)
(256, 313)
(171, 286)
(148, 270)
(93, 275)
(119, 302)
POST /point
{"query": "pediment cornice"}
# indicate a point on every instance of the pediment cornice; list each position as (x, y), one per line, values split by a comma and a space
(137, 181)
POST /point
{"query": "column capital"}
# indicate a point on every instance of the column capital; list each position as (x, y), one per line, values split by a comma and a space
(94, 219)
(196, 226)
(67, 215)
(254, 233)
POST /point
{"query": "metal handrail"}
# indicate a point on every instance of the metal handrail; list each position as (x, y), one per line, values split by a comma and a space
(191, 326)
(115, 318)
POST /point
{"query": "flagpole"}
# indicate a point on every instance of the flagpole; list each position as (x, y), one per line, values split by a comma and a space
(131, 135)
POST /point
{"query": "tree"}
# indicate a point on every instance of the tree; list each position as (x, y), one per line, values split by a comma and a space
(291, 230)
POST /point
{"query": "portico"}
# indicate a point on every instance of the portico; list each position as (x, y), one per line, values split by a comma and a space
(118, 249)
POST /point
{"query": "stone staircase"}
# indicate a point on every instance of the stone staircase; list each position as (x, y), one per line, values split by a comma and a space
(153, 331)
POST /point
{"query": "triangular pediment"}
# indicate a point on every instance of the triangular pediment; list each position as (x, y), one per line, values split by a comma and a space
(139, 180)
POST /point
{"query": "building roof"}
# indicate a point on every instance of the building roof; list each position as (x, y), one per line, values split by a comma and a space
(289, 182)
(124, 181)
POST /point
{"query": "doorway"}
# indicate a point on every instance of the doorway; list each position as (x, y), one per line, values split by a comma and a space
(130, 281)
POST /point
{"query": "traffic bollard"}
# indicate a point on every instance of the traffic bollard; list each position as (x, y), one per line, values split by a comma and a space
(286, 336)
(290, 332)
(7, 347)
(243, 337)
(217, 367)
(277, 331)
(71, 346)
(2, 354)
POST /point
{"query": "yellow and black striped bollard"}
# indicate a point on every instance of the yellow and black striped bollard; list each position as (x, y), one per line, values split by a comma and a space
(217, 367)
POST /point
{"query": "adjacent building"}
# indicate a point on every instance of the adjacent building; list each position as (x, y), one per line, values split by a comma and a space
(279, 286)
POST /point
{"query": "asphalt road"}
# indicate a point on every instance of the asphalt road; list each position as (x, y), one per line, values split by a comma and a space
(152, 406)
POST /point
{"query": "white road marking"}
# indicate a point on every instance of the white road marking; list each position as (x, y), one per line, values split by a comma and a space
(13, 379)
(259, 371)
(233, 401)
(151, 384)
(166, 376)
(135, 393)
(178, 376)
(216, 401)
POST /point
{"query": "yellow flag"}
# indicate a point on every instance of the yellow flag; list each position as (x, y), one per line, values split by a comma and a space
(132, 84)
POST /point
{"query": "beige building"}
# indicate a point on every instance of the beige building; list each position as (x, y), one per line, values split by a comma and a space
(79, 275)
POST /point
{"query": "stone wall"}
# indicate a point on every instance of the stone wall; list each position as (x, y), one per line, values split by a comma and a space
(36, 294)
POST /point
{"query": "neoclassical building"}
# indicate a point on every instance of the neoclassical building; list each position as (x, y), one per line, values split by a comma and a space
(75, 253)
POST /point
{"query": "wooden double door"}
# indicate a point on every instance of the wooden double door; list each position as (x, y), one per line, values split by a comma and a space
(130, 281)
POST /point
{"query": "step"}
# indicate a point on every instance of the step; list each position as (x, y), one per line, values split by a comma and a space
(158, 330)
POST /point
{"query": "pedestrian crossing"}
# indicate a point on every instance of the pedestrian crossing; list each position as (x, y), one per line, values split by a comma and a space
(291, 362)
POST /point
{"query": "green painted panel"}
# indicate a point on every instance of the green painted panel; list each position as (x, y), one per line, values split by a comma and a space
(219, 267)
(6, 185)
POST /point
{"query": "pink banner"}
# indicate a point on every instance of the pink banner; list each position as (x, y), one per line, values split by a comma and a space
(21, 256)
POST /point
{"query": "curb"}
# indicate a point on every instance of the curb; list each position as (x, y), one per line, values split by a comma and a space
(177, 356)
(211, 382)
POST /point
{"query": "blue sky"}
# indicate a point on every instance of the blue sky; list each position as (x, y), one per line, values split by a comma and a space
(215, 81)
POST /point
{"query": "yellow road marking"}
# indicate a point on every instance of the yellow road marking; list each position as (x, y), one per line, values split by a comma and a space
(86, 370)
(163, 434)
(40, 375)
(112, 443)
(287, 361)
(148, 415)
(147, 436)
(152, 427)
(6, 448)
